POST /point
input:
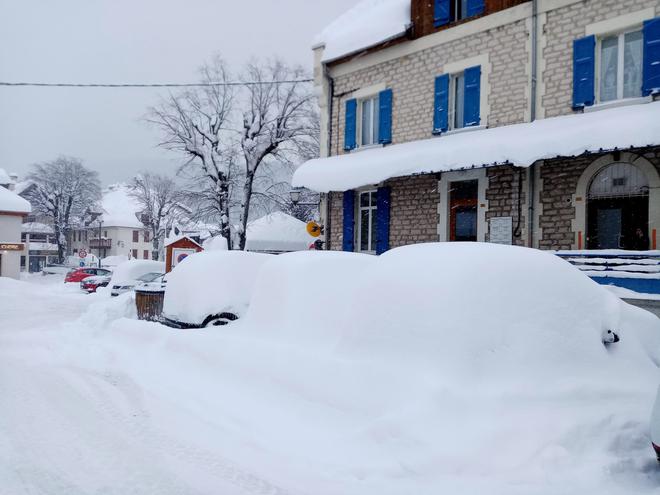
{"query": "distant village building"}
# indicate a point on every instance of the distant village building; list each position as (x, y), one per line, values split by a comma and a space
(40, 246)
(119, 231)
(13, 209)
(488, 120)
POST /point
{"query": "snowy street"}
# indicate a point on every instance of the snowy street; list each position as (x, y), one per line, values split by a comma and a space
(94, 401)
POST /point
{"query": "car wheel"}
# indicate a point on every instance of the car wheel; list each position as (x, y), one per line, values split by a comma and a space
(219, 320)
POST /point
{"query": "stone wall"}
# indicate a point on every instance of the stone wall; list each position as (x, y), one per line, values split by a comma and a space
(507, 198)
(411, 79)
(562, 27)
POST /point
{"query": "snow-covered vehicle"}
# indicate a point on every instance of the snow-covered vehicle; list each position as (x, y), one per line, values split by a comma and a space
(211, 288)
(55, 269)
(90, 284)
(134, 272)
(655, 426)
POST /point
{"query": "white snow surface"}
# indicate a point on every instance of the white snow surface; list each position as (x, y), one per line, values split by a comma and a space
(4, 177)
(367, 24)
(455, 368)
(277, 232)
(216, 243)
(12, 203)
(37, 228)
(519, 144)
(211, 282)
(129, 271)
(119, 208)
(114, 260)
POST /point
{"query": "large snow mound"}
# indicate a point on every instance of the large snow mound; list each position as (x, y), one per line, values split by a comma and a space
(367, 24)
(13, 203)
(277, 232)
(520, 145)
(130, 270)
(210, 283)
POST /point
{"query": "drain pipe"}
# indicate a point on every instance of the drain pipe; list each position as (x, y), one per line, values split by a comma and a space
(328, 196)
(532, 114)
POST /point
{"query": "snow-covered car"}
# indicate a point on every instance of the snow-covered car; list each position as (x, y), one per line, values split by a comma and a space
(211, 288)
(655, 426)
(90, 284)
(133, 272)
(55, 269)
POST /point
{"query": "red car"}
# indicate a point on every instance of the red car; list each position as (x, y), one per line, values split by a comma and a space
(79, 274)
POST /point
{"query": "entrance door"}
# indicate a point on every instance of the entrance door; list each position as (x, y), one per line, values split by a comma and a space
(463, 199)
(609, 228)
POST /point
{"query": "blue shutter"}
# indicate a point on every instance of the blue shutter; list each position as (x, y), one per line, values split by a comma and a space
(385, 117)
(441, 13)
(475, 7)
(348, 243)
(350, 127)
(584, 69)
(382, 220)
(472, 96)
(651, 78)
(441, 104)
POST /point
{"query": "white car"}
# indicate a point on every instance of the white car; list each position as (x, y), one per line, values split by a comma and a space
(211, 288)
(655, 426)
(134, 272)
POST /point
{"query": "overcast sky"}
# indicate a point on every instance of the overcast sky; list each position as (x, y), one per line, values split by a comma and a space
(119, 41)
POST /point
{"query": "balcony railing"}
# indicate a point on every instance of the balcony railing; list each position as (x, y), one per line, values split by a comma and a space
(100, 243)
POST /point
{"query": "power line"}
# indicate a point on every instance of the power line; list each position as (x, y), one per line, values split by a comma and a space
(150, 85)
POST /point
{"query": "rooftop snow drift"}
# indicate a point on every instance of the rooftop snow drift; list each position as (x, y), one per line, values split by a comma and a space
(368, 23)
(13, 203)
(520, 145)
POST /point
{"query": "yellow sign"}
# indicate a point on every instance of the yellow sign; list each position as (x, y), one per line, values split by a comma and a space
(314, 229)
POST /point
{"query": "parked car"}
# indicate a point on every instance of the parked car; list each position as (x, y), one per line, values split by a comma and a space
(655, 426)
(55, 269)
(133, 272)
(211, 288)
(79, 274)
(90, 284)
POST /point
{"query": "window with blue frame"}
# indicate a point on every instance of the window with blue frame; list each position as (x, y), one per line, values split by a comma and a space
(619, 58)
(457, 101)
(448, 11)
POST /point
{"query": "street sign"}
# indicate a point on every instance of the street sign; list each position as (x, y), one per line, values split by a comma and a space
(82, 253)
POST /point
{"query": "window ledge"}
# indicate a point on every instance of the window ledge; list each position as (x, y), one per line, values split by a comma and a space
(619, 103)
(367, 147)
(461, 130)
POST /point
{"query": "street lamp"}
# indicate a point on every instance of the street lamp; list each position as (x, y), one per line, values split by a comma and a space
(93, 215)
(295, 195)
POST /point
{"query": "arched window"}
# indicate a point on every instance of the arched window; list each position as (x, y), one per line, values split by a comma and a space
(617, 180)
(618, 208)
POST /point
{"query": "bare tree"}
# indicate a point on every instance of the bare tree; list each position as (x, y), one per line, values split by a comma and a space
(194, 123)
(64, 191)
(158, 197)
(277, 124)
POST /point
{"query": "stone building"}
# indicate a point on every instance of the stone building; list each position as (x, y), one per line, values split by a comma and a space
(521, 122)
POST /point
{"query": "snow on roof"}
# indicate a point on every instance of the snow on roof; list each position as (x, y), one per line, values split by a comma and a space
(119, 208)
(277, 232)
(368, 23)
(520, 145)
(4, 177)
(172, 238)
(37, 228)
(12, 203)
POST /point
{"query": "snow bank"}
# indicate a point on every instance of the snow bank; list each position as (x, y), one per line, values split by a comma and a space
(277, 232)
(210, 283)
(215, 243)
(112, 261)
(130, 270)
(520, 145)
(367, 24)
(13, 203)
(119, 208)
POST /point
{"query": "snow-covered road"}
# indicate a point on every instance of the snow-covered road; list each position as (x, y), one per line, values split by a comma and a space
(95, 402)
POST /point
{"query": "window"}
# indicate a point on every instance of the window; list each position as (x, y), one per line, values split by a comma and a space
(459, 10)
(463, 199)
(145, 254)
(620, 60)
(367, 221)
(369, 120)
(146, 237)
(457, 101)
(136, 236)
(448, 11)
(134, 253)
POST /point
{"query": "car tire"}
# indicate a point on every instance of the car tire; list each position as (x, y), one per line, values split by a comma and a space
(219, 320)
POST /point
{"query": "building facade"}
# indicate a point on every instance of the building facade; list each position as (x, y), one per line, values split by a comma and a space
(456, 77)
(13, 209)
